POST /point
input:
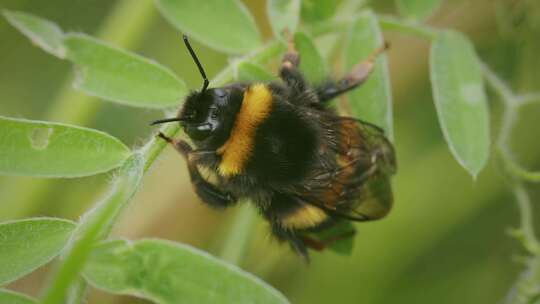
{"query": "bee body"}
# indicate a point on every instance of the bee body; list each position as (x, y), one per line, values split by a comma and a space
(277, 144)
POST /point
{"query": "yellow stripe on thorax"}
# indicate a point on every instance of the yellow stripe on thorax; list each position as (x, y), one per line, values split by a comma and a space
(256, 106)
(305, 217)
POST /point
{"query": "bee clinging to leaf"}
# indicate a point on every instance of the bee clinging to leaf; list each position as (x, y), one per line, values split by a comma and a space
(306, 168)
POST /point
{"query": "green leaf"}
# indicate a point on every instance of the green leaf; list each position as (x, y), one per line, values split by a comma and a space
(168, 273)
(314, 11)
(283, 14)
(311, 62)
(417, 9)
(119, 76)
(47, 149)
(11, 297)
(94, 226)
(460, 100)
(30, 243)
(248, 71)
(105, 71)
(41, 32)
(371, 102)
(223, 25)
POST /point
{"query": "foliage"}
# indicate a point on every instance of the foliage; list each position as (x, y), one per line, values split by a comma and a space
(374, 103)
(30, 243)
(139, 268)
(165, 272)
(46, 149)
(11, 297)
(458, 86)
(312, 64)
(226, 26)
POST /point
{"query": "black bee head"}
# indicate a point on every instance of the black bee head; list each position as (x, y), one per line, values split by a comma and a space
(208, 115)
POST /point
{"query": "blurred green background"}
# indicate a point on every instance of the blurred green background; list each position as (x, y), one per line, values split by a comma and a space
(445, 241)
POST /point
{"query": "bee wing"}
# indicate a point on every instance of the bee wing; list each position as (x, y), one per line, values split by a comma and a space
(374, 201)
(357, 186)
(369, 201)
(376, 143)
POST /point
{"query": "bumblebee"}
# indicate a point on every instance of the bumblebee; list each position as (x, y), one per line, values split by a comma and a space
(306, 168)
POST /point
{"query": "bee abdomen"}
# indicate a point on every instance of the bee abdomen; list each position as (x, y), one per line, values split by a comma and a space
(289, 213)
(304, 217)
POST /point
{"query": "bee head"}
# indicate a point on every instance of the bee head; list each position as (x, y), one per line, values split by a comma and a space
(208, 115)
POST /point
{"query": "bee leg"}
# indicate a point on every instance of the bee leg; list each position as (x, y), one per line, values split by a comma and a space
(320, 245)
(207, 192)
(289, 72)
(358, 75)
(294, 241)
(313, 243)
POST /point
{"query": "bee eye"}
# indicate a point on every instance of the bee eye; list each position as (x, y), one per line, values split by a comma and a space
(220, 93)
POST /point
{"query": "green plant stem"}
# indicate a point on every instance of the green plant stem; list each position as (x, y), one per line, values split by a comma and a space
(123, 27)
(528, 98)
(526, 215)
(511, 102)
(237, 237)
(526, 290)
(499, 86)
(94, 226)
(77, 292)
(518, 171)
(511, 105)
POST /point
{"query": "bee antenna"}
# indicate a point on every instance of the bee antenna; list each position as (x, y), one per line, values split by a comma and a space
(160, 121)
(201, 70)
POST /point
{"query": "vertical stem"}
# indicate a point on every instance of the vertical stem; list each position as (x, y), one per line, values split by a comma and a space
(525, 213)
(526, 289)
(238, 235)
(94, 226)
(500, 87)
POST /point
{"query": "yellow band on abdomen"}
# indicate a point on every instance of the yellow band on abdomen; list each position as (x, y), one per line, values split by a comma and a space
(307, 216)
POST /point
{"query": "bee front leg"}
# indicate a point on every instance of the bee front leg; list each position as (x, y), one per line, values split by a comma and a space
(289, 72)
(207, 192)
(358, 75)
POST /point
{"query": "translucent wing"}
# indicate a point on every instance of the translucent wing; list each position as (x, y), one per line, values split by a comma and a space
(352, 179)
